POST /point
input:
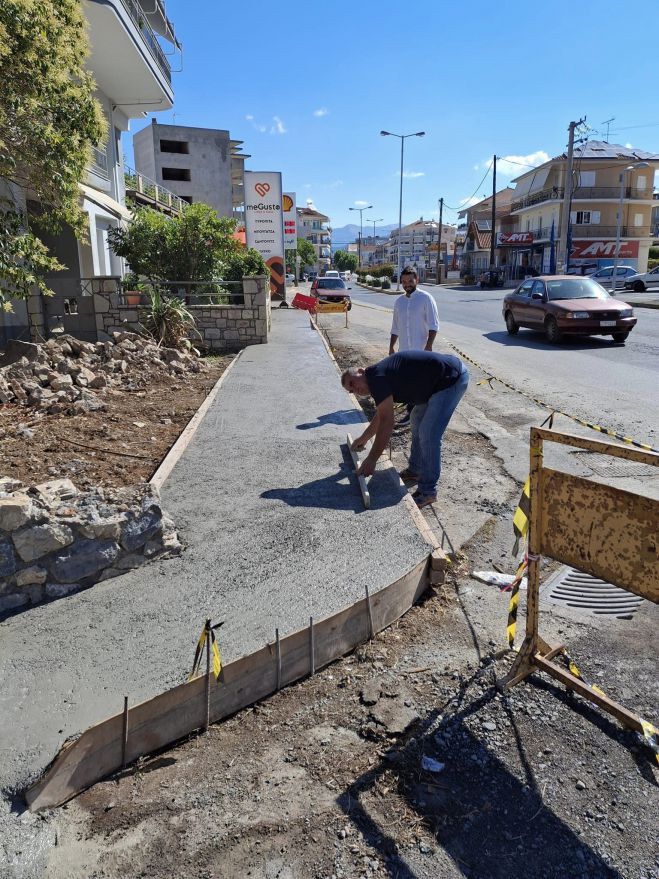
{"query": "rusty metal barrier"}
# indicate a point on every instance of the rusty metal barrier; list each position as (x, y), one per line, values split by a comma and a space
(605, 531)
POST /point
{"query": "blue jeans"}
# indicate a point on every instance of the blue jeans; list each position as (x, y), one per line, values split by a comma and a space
(429, 421)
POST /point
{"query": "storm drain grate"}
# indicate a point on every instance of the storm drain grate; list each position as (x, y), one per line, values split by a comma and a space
(604, 465)
(583, 591)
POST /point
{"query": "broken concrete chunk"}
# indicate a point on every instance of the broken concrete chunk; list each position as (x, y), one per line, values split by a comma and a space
(16, 511)
(370, 692)
(85, 558)
(56, 490)
(61, 382)
(38, 540)
(394, 715)
(7, 484)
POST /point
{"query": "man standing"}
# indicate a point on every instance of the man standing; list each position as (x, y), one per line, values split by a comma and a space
(433, 384)
(415, 322)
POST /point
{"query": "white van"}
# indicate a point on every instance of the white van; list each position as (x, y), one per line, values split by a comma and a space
(345, 276)
(331, 274)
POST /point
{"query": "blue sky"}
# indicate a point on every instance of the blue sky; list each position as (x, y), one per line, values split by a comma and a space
(308, 87)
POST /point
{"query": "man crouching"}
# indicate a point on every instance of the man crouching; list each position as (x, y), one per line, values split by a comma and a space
(434, 384)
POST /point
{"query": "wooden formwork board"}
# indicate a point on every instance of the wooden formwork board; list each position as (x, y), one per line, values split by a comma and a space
(176, 713)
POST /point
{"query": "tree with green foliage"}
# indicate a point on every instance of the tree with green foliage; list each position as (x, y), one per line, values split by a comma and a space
(305, 250)
(49, 119)
(193, 246)
(345, 262)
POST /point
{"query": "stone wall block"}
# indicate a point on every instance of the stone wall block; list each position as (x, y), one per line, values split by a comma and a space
(38, 540)
(138, 530)
(16, 511)
(85, 558)
(8, 563)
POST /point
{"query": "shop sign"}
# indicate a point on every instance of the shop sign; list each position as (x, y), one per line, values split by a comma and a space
(290, 221)
(264, 226)
(508, 239)
(603, 250)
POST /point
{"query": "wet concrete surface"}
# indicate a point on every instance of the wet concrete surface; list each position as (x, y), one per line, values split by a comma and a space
(265, 500)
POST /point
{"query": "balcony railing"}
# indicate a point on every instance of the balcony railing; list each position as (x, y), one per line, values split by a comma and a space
(588, 192)
(596, 231)
(139, 20)
(144, 189)
(553, 193)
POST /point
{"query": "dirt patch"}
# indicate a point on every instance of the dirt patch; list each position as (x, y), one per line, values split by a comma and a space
(122, 445)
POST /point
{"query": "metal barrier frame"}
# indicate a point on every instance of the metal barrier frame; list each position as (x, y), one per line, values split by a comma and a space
(561, 505)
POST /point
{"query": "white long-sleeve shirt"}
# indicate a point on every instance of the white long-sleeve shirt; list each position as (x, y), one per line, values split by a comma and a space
(414, 317)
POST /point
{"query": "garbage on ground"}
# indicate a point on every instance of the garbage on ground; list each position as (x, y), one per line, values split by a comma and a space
(503, 581)
(431, 765)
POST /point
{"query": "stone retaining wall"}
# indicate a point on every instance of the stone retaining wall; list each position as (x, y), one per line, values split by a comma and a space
(222, 328)
(55, 540)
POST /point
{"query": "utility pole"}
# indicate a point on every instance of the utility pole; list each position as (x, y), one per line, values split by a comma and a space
(563, 255)
(494, 208)
(439, 241)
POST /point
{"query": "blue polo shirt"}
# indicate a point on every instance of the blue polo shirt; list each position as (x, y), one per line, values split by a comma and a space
(412, 376)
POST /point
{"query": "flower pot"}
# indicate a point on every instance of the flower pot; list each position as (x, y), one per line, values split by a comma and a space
(132, 298)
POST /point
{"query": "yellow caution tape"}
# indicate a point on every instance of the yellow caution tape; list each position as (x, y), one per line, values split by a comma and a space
(651, 737)
(513, 605)
(217, 659)
(521, 517)
(612, 433)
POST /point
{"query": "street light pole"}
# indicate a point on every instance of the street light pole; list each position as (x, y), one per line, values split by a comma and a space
(359, 246)
(379, 220)
(616, 253)
(400, 199)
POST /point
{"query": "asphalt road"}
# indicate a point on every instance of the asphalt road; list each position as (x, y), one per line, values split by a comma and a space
(590, 377)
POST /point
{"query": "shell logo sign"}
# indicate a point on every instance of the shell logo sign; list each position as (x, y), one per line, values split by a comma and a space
(287, 203)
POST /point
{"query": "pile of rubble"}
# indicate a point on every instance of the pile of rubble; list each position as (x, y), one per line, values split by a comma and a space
(55, 540)
(67, 375)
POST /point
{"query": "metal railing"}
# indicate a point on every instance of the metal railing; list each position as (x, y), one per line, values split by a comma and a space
(138, 186)
(553, 193)
(587, 192)
(595, 231)
(216, 292)
(138, 18)
(104, 284)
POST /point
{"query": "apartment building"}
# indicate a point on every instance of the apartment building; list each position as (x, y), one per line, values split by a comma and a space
(601, 173)
(133, 77)
(416, 242)
(475, 232)
(197, 164)
(315, 227)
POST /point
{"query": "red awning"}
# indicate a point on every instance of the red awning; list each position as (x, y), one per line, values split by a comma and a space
(240, 236)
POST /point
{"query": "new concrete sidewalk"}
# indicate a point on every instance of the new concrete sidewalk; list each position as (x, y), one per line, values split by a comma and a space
(275, 530)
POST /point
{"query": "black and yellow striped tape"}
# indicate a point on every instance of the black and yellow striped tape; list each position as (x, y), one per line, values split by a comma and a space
(215, 652)
(513, 605)
(521, 517)
(598, 427)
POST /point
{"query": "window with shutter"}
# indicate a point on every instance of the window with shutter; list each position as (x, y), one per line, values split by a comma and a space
(638, 219)
(641, 182)
(586, 178)
(595, 217)
(573, 216)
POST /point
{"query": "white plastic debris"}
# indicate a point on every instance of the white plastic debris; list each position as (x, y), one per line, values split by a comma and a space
(496, 579)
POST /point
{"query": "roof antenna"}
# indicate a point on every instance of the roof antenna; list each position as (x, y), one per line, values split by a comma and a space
(607, 122)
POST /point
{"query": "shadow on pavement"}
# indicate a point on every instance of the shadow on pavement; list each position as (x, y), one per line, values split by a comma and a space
(533, 339)
(340, 491)
(490, 822)
(341, 416)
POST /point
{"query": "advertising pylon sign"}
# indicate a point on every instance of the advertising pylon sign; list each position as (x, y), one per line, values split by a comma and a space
(264, 224)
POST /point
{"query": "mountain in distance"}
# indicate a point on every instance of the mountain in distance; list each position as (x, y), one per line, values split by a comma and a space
(349, 233)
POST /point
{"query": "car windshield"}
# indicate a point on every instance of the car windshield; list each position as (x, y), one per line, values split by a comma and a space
(331, 284)
(575, 288)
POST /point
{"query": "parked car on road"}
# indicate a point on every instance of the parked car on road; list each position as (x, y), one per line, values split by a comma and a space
(604, 276)
(567, 305)
(491, 278)
(290, 278)
(331, 273)
(642, 280)
(331, 290)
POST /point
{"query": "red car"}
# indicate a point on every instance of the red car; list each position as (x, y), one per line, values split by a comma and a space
(567, 305)
(331, 290)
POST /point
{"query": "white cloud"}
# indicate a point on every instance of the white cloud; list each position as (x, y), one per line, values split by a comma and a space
(310, 204)
(361, 204)
(278, 126)
(513, 166)
(467, 202)
(411, 174)
(321, 111)
(307, 185)
(629, 146)
(249, 117)
(335, 184)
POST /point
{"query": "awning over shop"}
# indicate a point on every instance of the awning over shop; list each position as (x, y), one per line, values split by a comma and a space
(105, 201)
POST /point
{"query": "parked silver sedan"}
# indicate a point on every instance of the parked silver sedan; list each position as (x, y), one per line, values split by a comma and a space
(642, 280)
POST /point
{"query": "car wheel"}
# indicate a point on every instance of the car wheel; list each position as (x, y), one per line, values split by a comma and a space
(639, 286)
(552, 331)
(621, 338)
(511, 324)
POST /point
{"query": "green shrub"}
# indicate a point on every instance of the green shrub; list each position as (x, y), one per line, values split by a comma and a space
(654, 253)
(386, 284)
(387, 271)
(376, 282)
(653, 263)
